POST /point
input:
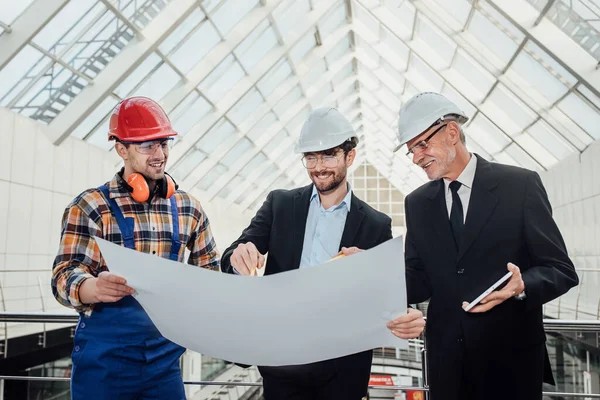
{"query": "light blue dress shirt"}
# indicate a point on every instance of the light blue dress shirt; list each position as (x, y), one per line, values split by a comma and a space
(324, 229)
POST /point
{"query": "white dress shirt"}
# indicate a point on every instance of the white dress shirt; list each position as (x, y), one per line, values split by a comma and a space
(464, 192)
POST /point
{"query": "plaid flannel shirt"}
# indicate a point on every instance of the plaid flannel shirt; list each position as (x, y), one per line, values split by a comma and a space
(89, 215)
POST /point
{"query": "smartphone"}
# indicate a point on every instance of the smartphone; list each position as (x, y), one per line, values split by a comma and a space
(489, 290)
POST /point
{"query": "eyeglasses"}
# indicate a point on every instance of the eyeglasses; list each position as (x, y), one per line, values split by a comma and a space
(422, 145)
(311, 161)
(150, 147)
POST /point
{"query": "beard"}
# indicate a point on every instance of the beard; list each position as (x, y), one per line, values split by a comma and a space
(330, 185)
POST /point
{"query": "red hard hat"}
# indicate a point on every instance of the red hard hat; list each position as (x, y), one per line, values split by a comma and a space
(139, 119)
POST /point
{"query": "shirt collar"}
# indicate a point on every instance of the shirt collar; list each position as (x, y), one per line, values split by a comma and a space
(346, 201)
(117, 187)
(467, 176)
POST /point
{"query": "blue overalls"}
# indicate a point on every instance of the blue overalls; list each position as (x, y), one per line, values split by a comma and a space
(118, 353)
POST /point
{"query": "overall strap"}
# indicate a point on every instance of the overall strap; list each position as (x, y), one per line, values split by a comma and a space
(175, 242)
(125, 224)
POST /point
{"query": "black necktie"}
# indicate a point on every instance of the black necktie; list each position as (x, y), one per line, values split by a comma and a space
(456, 213)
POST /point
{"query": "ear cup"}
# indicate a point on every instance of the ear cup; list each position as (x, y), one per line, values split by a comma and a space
(139, 187)
(171, 186)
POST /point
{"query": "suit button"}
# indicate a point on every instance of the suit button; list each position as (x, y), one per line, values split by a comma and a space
(82, 325)
(460, 271)
(77, 348)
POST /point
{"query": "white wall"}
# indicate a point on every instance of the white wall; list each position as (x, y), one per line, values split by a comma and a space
(37, 181)
(574, 190)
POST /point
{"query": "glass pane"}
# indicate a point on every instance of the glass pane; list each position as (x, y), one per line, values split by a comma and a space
(73, 18)
(535, 150)
(284, 104)
(255, 163)
(487, 134)
(189, 112)
(213, 138)
(243, 146)
(301, 49)
(221, 79)
(582, 114)
(474, 81)
(143, 70)
(159, 83)
(12, 9)
(24, 66)
(190, 160)
(318, 69)
(522, 157)
(551, 140)
(340, 49)
(262, 126)
(230, 13)
(194, 48)
(511, 114)
(274, 78)
(254, 48)
(245, 107)
(441, 47)
(95, 117)
(333, 20)
(211, 177)
(457, 9)
(404, 11)
(496, 41)
(175, 38)
(270, 148)
(287, 16)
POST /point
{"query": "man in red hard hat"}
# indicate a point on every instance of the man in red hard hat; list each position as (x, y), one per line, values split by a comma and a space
(118, 353)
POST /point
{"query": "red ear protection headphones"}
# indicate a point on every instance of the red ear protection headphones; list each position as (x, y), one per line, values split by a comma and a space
(140, 191)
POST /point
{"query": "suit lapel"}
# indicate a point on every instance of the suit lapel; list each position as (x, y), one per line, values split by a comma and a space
(437, 216)
(481, 204)
(353, 221)
(301, 204)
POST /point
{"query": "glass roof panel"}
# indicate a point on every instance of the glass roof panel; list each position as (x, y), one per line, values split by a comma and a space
(230, 12)
(521, 157)
(188, 163)
(242, 146)
(99, 114)
(441, 47)
(274, 143)
(243, 108)
(221, 79)
(215, 136)
(274, 78)
(60, 30)
(288, 14)
(457, 9)
(12, 9)
(533, 147)
(496, 41)
(582, 113)
(302, 48)
(482, 130)
(256, 46)
(262, 126)
(193, 49)
(404, 11)
(333, 20)
(511, 114)
(143, 70)
(20, 72)
(158, 84)
(211, 176)
(287, 101)
(551, 140)
(340, 49)
(189, 112)
(255, 163)
(182, 31)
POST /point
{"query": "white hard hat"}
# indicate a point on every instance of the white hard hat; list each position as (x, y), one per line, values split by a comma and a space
(421, 112)
(325, 128)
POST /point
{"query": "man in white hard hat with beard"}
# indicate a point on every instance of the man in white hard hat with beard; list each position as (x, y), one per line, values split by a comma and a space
(474, 222)
(306, 227)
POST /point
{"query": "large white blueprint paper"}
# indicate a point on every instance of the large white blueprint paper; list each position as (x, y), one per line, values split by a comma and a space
(296, 317)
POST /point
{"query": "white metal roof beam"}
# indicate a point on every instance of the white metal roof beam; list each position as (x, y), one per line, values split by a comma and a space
(192, 179)
(553, 40)
(33, 19)
(238, 91)
(122, 65)
(233, 39)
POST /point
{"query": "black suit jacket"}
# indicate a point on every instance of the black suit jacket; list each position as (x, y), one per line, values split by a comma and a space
(509, 219)
(278, 229)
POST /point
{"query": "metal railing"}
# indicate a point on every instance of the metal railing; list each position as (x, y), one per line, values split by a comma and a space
(550, 325)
